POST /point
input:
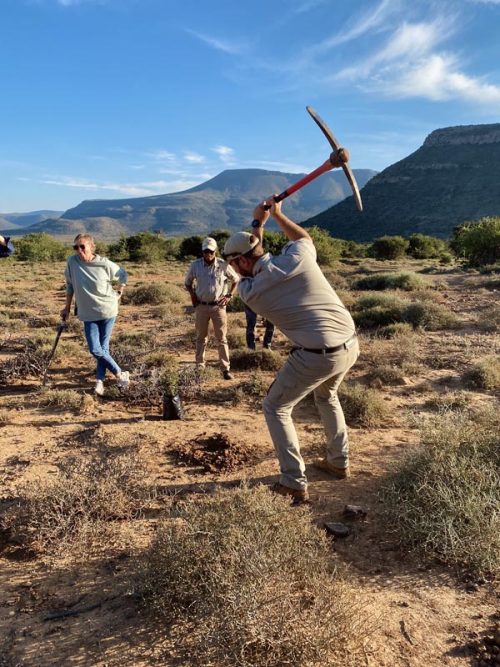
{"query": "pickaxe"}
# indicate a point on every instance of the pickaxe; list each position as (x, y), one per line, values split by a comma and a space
(339, 157)
(60, 329)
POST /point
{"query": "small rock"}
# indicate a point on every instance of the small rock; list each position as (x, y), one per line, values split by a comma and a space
(337, 529)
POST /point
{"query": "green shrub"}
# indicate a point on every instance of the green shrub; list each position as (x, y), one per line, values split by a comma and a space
(404, 280)
(40, 247)
(422, 246)
(484, 375)
(328, 249)
(220, 236)
(190, 247)
(389, 247)
(235, 305)
(274, 242)
(154, 294)
(352, 249)
(489, 320)
(362, 406)
(478, 242)
(144, 247)
(429, 315)
(236, 569)
(443, 498)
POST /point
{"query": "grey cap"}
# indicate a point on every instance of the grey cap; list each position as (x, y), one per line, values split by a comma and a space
(239, 244)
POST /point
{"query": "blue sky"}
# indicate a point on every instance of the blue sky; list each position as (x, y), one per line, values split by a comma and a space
(118, 98)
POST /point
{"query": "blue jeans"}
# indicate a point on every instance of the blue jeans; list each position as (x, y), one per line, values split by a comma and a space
(98, 335)
(250, 333)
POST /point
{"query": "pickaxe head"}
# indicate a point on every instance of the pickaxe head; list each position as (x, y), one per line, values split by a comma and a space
(339, 156)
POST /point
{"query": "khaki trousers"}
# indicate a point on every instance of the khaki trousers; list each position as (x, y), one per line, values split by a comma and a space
(302, 373)
(203, 315)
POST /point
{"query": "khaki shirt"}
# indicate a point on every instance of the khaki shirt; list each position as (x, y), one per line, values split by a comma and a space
(291, 291)
(210, 280)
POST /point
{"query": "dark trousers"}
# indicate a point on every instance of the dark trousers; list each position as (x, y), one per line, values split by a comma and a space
(250, 333)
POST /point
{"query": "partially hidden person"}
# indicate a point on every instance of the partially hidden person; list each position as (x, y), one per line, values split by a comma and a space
(6, 246)
(211, 283)
(90, 279)
(291, 291)
(251, 318)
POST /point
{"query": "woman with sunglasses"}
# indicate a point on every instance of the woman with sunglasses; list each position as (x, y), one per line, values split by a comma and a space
(90, 278)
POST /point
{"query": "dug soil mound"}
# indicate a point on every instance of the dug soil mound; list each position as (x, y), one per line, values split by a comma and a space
(214, 453)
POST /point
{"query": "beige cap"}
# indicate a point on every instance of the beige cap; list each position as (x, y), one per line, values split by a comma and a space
(209, 244)
(239, 244)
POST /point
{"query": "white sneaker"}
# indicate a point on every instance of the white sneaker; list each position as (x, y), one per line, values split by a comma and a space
(99, 388)
(123, 380)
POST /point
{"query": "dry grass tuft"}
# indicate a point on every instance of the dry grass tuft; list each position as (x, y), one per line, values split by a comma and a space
(64, 399)
(443, 499)
(252, 581)
(362, 406)
(155, 294)
(484, 375)
(404, 280)
(72, 513)
(265, 360)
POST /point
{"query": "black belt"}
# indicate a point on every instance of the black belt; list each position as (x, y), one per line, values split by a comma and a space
(208, 303)
(330, 350)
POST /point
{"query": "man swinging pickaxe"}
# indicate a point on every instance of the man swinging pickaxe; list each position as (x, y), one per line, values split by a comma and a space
(339, 157)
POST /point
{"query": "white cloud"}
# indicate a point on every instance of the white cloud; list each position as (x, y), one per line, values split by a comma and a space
(225, 154)
(231, 48)
(129, 189)
(190, 156)
(161, 156)
(486, 2)
(438, 78)
(367, 22)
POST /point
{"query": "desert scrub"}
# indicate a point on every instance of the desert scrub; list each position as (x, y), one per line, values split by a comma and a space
(251, 582)
(30, 360)
(385, 309)
(485, 374)
(236, 340)
(404, 280)
(235, 305)
(155, 294)
(362, 406)
(443, 499)
(265, 360)
(448, 400)
(489, 320)
(391, 360)
(253, 389)
(64, 399)
(73, 513)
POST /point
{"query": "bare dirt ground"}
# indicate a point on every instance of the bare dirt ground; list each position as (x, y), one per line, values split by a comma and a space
(70, 610)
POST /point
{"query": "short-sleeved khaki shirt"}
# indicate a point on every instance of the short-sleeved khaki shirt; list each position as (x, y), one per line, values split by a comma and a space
(291, 291)
(210, 280)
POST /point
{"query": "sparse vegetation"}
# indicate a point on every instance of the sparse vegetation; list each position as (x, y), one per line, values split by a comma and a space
(77, 507)
(443, 499)
(154, 294)
(362, 406)
(40, 247)
(404, 280)
(485, 374)
(389, 247)
(266, 360)
(478, 242)
(236, 568)
(64, 399)
(385, 309)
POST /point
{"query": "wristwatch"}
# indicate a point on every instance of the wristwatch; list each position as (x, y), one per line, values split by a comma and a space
(256, 223)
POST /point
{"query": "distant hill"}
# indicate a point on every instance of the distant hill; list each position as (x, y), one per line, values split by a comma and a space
(16, 221)
(452, 178)
(223, 202)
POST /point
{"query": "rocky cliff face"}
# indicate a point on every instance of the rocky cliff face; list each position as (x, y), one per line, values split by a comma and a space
(465, 134)
(452, 178)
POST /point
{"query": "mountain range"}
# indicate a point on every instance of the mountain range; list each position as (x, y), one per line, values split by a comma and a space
(452, 178)
(16, 221)
(223, 202)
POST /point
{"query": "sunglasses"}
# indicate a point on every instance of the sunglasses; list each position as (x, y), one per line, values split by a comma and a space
(79, 246)
(208, 252)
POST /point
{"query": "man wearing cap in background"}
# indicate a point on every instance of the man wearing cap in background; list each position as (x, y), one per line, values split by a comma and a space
(207, 282)
(291, 291)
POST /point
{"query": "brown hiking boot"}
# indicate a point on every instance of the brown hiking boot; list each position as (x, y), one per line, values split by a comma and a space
(333, 471)
(298, 496)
